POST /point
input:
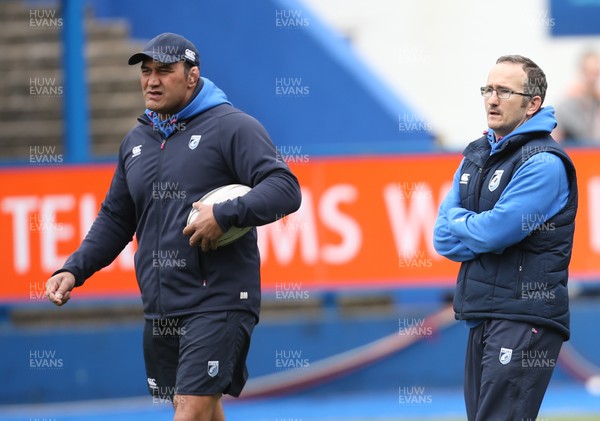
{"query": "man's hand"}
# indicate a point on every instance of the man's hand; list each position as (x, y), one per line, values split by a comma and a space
(204, 230)
(58, 288)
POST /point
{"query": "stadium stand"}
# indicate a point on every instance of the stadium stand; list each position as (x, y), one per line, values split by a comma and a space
(32, 87)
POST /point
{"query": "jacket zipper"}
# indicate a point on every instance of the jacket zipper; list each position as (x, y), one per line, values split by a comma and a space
(479, 187)
(203, 279)
(158, 175)
(519, 275)
(202, 275)
(475, 202)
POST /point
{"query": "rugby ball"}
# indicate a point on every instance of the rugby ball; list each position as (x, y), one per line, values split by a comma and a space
(223, 194)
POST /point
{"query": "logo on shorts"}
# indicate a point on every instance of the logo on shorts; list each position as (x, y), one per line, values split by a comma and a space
(505, 355)
(213, 368)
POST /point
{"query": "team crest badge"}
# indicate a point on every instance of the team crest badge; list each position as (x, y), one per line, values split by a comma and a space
(505, 355)
(194, 140)
(213, 368)
(495, 180)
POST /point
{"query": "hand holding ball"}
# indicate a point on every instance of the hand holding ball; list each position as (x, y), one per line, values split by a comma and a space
(219, 195)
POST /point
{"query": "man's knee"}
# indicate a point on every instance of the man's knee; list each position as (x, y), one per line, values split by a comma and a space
(195, 408)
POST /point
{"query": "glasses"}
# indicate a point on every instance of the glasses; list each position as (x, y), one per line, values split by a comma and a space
(503, 93)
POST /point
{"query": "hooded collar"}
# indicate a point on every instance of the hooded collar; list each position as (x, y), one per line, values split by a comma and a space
(207, 96)
(543, 121)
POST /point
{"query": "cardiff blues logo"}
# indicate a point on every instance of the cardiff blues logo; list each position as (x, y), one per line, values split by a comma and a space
(194, 140)
(505, 355)
(495, 180)
(213, 368)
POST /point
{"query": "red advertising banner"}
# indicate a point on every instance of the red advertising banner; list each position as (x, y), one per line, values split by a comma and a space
(364, 222)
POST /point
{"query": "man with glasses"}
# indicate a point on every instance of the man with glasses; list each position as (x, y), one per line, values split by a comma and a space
(509, 219)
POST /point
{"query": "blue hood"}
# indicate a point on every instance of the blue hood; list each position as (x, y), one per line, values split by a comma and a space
(209, 96)
(542, 121)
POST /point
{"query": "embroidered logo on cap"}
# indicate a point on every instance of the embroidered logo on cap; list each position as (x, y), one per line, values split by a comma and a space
(190, 55)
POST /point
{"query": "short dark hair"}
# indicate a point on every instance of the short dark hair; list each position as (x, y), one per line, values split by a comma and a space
(536, 83)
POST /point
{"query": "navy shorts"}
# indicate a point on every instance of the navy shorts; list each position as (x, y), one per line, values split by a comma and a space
(198, 354)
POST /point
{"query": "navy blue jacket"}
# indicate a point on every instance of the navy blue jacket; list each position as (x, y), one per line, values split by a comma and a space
(160, 173)
(528, 280)
(509, 218)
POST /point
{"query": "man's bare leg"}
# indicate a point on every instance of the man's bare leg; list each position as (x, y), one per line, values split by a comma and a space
(198, 408)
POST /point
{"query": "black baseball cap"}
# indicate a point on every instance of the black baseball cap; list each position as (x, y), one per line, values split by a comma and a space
(168, 48)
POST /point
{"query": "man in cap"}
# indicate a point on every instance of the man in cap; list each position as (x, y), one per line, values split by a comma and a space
(200, 302)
